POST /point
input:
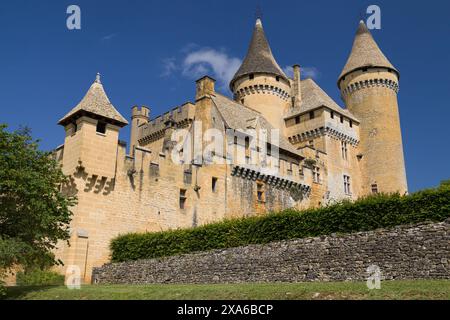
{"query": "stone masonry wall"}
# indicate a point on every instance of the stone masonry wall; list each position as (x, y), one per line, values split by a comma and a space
(406, 252)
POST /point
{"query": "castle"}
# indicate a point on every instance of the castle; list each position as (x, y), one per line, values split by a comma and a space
(319, 152)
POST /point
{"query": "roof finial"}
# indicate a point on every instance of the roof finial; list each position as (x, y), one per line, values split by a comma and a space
(97, 78)
(258, 14)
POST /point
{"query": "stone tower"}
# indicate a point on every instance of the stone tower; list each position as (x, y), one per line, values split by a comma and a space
(90, 159)
(139, 116)
(369, 86)
(260, 83)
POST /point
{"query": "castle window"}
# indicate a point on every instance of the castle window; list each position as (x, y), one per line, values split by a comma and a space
(332, 115)
(183, 198)
(289, 169)
(242, 101)
(297, 119)
(351, 124)
(347, 186)
(374, 188)
(269, 150)
(247, 150)
(214, 184)
(187, 179)
(251, 76)
(342, 119)
(154, 169)
(316, 175)
(260, 192)
(344, 150)
(311, 115)
(277, 78)
(101, 127)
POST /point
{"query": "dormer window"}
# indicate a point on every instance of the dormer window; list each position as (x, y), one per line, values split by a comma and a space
(101, 127)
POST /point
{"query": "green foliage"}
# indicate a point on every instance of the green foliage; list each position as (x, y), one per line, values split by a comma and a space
(34, 214)
(37, 277)
(379, 211)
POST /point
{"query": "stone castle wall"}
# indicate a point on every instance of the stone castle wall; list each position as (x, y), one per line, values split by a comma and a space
(406, 252)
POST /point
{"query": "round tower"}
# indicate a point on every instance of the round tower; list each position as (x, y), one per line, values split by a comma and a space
(369, 86)
(260, 83)
(138, 118)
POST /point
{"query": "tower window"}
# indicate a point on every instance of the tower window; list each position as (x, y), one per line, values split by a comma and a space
(183, 198)
(187, 179)
(101, 127)
(344, 150)
(242, 101)
(277, 78)
(342, 119)
(214, 184)
(332, 115)
(260, 192)
(316, 175)
(251, 76)
(311, 115)
(374, 188)
(351, 124)
(297, 119)
(347, 187)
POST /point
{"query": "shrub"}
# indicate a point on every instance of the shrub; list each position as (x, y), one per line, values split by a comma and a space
(2, 290)
(370, 213)
(39, 277)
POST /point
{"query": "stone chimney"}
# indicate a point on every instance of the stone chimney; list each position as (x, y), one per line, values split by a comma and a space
(205, 87)
(296, 89)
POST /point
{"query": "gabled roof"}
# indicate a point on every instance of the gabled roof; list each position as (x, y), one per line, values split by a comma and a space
(240, 117)
(365, 53)
(96, 102)
(313, 97)
(259, 57)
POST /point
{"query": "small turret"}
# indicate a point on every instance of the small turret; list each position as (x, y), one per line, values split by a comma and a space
(260, 83)
(92, 134)
(139, 116)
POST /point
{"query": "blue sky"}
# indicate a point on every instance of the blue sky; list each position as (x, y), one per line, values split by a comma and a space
(150, 53)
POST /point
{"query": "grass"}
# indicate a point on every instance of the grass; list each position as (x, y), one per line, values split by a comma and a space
(390, 290)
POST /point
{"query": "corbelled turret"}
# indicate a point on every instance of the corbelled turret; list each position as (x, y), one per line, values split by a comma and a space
(259, 57)
(260, 83)
(365, 53)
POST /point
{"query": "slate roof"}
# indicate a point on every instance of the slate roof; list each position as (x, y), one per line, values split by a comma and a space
(259, 57)
(365, 53)
(313, 97)
(96, 102)
(240, 117)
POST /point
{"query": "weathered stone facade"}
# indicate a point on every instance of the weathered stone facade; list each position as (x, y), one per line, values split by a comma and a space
(323, 153)
(407, 252)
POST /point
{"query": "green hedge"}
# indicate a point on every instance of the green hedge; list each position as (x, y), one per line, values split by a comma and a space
(39, 278)
(380, 211)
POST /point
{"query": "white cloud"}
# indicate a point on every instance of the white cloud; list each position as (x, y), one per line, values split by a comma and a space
(306, 72)
(109, 36)
(221, 65)
(169, 66)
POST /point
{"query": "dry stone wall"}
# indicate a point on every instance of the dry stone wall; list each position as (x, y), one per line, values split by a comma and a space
(406, 252)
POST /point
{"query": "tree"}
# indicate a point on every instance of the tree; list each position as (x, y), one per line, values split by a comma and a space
(34, 214)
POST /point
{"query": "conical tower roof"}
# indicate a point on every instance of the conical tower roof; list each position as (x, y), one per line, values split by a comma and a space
(259, 57)
(96, 102)
(365, 53)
